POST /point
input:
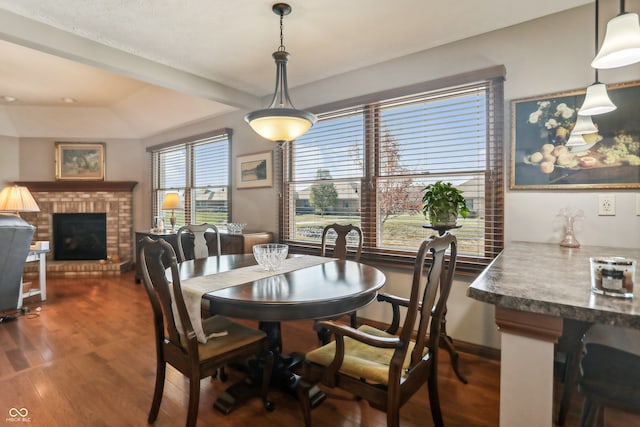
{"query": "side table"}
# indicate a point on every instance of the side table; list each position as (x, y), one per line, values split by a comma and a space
(446, 341)
(36, 254)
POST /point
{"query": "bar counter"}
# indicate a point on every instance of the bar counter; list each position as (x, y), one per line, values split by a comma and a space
(534, 286)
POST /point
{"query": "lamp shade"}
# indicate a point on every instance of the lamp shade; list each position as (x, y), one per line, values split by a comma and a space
(280, 124)
(584, 125)
(621, 45)
(172, 201)
(17, 199)
(597, 101)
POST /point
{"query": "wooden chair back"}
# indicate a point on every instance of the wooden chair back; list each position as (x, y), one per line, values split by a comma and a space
(162, 293)
(402, 359)
(199, 244)
(340, 248)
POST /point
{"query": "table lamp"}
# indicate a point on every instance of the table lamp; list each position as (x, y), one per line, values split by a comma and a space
(172, 201)
(17, 199)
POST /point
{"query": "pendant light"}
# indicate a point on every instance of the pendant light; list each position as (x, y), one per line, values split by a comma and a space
(280, 121)
(575, 140)
(621, 44)
(597, 100)
(584, 125)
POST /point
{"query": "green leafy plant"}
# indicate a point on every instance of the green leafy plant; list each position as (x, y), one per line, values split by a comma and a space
(442, 202)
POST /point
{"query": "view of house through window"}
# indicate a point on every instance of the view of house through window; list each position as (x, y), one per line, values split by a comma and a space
(198, 170)
(368, 166)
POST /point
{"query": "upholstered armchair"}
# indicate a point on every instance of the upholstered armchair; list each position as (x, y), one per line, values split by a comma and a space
(15, 239)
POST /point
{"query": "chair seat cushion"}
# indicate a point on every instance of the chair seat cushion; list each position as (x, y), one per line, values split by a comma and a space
(362, 360)
(237, 335)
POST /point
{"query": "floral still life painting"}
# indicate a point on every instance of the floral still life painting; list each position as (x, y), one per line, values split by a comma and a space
(607, 158)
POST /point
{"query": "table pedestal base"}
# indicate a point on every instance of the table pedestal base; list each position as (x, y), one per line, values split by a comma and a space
(282, 377)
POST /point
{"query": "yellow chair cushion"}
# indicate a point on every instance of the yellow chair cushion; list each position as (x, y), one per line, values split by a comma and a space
(237, 336)
(361, 360)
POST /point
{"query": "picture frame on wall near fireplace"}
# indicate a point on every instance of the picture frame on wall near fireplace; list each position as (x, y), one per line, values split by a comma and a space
(80, 161)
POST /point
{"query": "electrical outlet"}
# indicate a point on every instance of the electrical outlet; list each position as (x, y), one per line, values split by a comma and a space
(606, 204)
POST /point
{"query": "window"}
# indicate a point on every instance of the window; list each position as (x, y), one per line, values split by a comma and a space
(367, 164)
(198, 169)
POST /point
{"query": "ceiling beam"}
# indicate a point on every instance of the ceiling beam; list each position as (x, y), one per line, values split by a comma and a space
(45, 38)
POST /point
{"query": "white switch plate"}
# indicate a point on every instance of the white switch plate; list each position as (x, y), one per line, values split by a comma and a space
(638, 204)
(606, 204)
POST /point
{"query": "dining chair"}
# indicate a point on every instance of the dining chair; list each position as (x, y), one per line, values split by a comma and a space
(569, 345)
(339, 248)
(386, 368)
(610, 372)
(179, 347)
(193, 242)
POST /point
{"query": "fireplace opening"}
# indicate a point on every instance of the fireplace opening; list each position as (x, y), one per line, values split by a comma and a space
(79, 236)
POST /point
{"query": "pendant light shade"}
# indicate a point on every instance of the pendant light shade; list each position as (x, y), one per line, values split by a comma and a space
(280, 124)
(584, 125)
(575, 140)
(281, 121)
(621, 45)
(597, 101)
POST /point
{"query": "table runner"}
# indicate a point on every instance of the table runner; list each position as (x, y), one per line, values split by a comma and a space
(194, 289)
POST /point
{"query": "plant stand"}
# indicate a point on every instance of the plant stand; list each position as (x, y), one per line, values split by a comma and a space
(446, 341)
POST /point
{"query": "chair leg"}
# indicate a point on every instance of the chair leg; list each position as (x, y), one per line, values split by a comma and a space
(305, 404)
(393, 416)
(434, 398)
(590, 411)
(266, 380)
(221, 374)
(157, 392)
(194, 400)
(568, 385)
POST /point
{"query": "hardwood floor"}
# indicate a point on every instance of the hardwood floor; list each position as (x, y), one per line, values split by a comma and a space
(86, 358)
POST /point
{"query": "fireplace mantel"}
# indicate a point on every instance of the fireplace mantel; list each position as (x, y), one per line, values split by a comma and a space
(80, 186)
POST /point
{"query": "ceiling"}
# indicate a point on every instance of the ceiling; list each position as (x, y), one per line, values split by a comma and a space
(136, 68)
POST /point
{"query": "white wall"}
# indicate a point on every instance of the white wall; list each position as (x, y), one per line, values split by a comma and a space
(548, 55)
(9, 160)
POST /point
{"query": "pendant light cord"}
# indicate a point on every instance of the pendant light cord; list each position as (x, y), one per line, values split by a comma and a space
(281, 48)
(597, 31)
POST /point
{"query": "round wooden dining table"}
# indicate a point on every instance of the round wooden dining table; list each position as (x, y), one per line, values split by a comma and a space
(319, 291)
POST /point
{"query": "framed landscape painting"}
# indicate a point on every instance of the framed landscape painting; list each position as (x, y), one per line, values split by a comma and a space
(610, 158)
(80, 161)
(254, 170)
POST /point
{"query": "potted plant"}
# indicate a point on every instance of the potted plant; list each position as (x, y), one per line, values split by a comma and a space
(442, 202)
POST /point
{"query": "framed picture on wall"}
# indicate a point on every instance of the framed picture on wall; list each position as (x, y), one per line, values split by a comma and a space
(80, 161)
(610, 158)
(254, 170)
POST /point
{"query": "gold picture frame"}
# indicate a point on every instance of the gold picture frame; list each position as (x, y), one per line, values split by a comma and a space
(254, 170)
(541, 125)
(80, 161)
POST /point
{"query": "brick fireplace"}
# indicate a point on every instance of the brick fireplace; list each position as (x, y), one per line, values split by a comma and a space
(114, 198)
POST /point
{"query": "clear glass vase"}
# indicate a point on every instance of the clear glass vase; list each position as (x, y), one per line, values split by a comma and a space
(569, 240)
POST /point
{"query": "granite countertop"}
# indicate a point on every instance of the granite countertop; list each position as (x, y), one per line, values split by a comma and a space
(548, 279)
